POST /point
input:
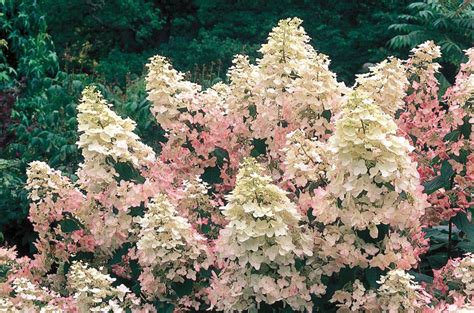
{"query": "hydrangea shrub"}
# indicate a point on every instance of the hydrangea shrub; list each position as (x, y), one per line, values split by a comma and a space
(281, 190)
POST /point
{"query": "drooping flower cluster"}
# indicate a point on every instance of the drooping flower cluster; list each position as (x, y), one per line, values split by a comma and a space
(169, 250)
(259, 247)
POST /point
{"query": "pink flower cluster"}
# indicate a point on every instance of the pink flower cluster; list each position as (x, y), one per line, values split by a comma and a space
(432, 126)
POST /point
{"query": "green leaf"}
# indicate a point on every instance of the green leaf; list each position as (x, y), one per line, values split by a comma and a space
(419, 277)
(466, 245)
(441, 181)
(373, 275)
(183, 289)
(452, 136)
(438, 260)
(461, 222)
(69, 225)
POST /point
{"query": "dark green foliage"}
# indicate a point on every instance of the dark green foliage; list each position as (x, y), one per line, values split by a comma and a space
(449, 23)
(201, 36)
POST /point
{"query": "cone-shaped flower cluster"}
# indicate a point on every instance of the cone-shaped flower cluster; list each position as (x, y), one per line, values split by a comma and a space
(385, 85)
(167, 90)
(104, 135)
(168, 249)
(94, 291)
(373, 180)
(260, 246)
(397, 293)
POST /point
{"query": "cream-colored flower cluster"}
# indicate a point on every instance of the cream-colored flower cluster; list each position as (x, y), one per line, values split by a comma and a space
(426, 52)
(422, 64)
(262, 242)
(43, 181)
(304, 159)
(243, 77)
(294, 82)
(167, 90)
(195, 204)
(463, 89)
(287, 45)
(27, 296)
(385, 85)
(463, 275)
(355, 299)
(398, 292)
(168, 249)
(104, 135)
(372, 174)
(94, 290)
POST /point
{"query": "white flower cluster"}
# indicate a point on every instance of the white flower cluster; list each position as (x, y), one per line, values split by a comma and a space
(426, 52)
(43, 181)
(385, 85)
(167, 90)
(304, 159)
(422, 58)
(94, 292)
(29, 297)
(261, 244)
(316, 91)
(243, 77)
(104, 134)
(371, 173)
(356, 299)
(399, 293)
(463, 274)
(195, 200)
(287, 45)
(168, 249)
(292, 74)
